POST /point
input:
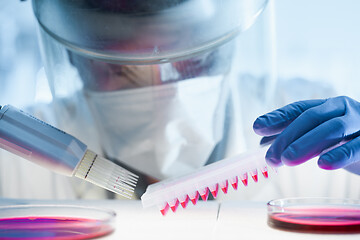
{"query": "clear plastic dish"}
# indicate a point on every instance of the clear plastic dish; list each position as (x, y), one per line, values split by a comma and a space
(315, 215)
(59, 222)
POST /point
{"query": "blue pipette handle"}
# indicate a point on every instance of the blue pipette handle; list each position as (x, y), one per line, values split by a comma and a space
(39, 142)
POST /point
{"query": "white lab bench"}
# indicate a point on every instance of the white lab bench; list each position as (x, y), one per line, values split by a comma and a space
(207, 220)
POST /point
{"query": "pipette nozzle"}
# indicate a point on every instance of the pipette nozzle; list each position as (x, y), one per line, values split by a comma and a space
(106, 174)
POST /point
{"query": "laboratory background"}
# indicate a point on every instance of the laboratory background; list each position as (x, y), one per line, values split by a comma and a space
(286, 51)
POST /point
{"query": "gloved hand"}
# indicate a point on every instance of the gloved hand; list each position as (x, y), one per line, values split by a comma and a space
(306, 128)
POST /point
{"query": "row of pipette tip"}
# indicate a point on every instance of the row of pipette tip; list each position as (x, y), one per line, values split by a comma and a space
(170, 193)
(194, 196)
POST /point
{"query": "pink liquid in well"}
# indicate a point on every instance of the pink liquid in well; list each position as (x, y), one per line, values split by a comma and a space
(58, 228)
(317, 220)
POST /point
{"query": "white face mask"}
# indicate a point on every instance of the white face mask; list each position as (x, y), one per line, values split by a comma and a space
(165, 130)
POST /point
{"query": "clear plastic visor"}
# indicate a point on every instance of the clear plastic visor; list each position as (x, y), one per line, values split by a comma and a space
(145, 31)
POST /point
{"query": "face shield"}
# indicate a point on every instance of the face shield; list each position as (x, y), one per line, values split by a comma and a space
(157, 76)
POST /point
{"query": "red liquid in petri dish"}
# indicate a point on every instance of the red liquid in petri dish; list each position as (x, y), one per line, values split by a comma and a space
(317, 220)
(58, 228)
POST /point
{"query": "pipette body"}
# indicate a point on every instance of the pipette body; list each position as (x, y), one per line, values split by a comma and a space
(54, 149)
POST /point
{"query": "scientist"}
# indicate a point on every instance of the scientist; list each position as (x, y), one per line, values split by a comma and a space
(114, 87)
(147, 85)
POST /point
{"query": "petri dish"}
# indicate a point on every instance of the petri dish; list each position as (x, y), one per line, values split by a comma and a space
(59, 222)
(315, 215)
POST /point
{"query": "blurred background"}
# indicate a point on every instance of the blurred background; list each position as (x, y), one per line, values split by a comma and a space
(318, 41)
(19, 53)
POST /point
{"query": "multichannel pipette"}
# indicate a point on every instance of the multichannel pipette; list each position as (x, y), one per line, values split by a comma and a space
(179, 191)
(41, 143)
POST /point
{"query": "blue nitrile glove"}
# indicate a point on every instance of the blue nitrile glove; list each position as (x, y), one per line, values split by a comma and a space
(306, 128)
